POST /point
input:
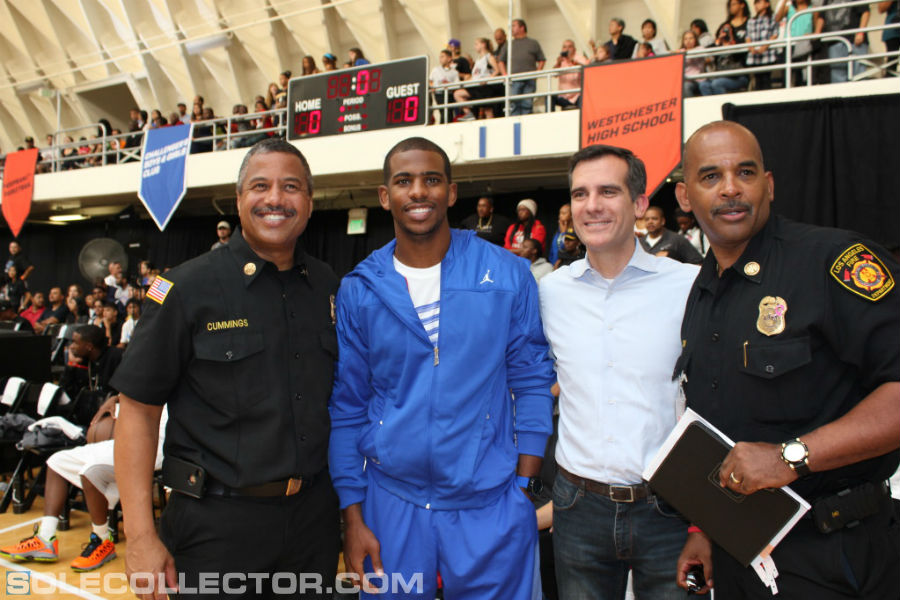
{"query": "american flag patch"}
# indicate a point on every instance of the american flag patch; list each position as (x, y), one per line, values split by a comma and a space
(160, 289)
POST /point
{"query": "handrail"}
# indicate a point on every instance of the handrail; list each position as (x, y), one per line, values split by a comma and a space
(228, 139)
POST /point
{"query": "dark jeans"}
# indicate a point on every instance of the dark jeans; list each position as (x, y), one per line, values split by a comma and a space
(525, 106)
(288, 535)
(597, 541)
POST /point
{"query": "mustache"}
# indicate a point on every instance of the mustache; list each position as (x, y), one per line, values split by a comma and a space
(275, 210)
(730, 206)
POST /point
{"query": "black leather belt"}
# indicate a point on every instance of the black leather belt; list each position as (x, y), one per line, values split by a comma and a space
(616, 493)
(285, 487)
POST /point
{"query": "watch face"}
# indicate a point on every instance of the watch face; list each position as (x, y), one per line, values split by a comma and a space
(794, 452)
(536, 486)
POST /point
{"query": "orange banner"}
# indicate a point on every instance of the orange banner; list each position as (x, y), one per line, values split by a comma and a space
(18, 187)
(637, 104)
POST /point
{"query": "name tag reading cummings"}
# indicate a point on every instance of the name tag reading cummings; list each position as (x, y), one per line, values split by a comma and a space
(230, 324)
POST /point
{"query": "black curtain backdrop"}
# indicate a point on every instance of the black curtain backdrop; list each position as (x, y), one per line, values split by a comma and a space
(835, 161)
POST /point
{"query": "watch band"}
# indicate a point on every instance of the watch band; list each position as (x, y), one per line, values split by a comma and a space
(801, 467)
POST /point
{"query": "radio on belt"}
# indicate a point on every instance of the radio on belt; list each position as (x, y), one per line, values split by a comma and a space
(374, 96)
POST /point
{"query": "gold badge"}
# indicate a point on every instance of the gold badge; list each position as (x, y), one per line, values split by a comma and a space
(751, 268)
(771, 315)
(863, 273)
(249, 269)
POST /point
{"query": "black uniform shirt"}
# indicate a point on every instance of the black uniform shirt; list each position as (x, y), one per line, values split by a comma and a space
(839, 340)
(493, 231)
(244, 356)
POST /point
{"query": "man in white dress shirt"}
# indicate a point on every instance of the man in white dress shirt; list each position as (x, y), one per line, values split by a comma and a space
(613, 321)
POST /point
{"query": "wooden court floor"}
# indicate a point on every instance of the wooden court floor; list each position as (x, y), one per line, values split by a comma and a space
(57, 580)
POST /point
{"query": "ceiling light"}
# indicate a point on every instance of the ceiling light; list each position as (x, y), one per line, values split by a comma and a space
(67, 218)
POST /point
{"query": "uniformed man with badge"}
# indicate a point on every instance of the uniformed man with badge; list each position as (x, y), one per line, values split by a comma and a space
(240, 345)
(791, 348)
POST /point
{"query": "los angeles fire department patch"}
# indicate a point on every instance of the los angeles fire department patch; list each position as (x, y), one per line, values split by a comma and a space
(863, 273)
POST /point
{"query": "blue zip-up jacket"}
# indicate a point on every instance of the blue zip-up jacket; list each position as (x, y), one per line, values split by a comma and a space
(437, 427)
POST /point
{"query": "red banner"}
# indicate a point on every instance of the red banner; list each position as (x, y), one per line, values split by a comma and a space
(18, 187)
(637, 104)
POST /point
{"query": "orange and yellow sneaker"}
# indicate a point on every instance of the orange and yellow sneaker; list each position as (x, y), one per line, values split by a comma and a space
(33, 548)
(96, 554)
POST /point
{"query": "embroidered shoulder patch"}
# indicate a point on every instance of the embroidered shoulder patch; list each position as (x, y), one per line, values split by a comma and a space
(160, 289)
(863, 273)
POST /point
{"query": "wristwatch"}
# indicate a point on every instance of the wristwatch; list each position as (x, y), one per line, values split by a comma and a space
(796, 455)
(532, 485)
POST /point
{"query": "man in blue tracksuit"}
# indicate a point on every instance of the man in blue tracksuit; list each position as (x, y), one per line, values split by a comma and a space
(428, 447)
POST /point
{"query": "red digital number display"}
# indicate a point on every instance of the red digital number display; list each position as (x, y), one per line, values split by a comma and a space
(403, 110)
(308, 123)
(368, 81)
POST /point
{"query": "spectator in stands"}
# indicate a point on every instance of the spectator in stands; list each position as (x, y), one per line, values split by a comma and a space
(196, 112)
(762, 28)
(284, 78)
(460, 62)
(96, 314)
(487, 224)
(309, 65)
(644, 50)
(620, 44)
(442, 74)
(78, 311)
(801, 52)
(850, 17)
(198, 99)
(329, 62)
(272, 92)
(9, 313)
(223, 231)
(357, 59)
(704, 37)
(687, 226)
(663, 242)
(650, 36)
(74, 291)
(260, 122)
(569, 56)
(485, 66)
(56, 313)
(601, 55)
(203, 130)
(527, 227)
(531, 250)
(183, 115)
(112, 326)
(526, 56)
(564, 223)
(732, 31)
(69, 154)
(501, 51)
(36, 309)
(17, 257)
(572, 249)
(693, 65)
(115, 269)
(174, 119)
(133, 315)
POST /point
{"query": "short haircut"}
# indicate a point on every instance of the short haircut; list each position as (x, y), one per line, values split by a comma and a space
(488, 198)
(447, 52)
(415, 143)
(536, 244)
(134, 301)
(649, 22)
(270, 145)
(662, 213)
(93, 335)
(635, 180)
(700, 24)
(620, 21)
(521, 24)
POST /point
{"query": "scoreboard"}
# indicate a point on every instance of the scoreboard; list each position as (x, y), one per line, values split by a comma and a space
(375, 96)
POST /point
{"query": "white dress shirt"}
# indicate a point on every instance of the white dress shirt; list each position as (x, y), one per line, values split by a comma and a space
(615, 344)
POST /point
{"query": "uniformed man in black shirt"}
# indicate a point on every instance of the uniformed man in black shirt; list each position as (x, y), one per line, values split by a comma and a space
(240, 344)
(791, 349)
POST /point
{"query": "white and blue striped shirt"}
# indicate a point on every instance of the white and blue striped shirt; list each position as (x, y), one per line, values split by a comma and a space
(425, 291)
